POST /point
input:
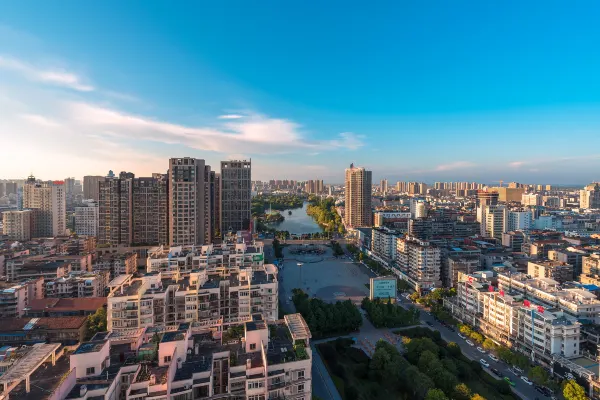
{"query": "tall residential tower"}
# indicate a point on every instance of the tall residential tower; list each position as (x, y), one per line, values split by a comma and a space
(236, 195)
(358, 211)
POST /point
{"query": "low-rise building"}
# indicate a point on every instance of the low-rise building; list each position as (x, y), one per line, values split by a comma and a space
(117, 263)
(15, 297)
(27, 331)
(556, 270)
(17, 225)
(88, 284)
(64, 307)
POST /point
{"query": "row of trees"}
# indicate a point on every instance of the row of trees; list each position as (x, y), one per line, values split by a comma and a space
(337, 249)
(275, 201)
(385, 314)
(324, 212)
(326, 319)
(277, 248)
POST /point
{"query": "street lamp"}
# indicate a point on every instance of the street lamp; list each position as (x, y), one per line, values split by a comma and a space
(300, 266)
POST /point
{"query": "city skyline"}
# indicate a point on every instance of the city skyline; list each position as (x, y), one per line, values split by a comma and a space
(410, 95)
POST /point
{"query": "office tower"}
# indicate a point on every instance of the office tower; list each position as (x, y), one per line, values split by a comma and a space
(91, 185)
(115, 210)
(589, 197)
(383, 186)
(495, 223)
(86, 219)
(48, 200)
(236, 195)
(358, 211)
(215, 196)
(17, 225)
(69, 186)
(189, 202)
(150, 210)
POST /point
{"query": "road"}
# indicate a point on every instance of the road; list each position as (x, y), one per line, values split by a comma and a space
(521, 389)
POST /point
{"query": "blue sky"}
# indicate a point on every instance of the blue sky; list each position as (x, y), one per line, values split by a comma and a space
(412, 90)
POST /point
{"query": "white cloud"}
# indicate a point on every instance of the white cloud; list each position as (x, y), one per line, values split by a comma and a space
(455, 165)
(231, 116)
(40, 120)
(516, 164)
(58, 77)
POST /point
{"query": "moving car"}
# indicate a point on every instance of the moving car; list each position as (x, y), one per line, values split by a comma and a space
(470, 343)
(484, 363)
(495, 371)
(481, 350)
(526, 380)
(493, 357)
(507, 379)
(460, 335)
(517, 369)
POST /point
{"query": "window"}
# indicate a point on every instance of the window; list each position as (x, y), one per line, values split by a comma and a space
(90, 371)
(252, 346)
(301, 374)
(167, 359)
(300, 388)
(255, 385)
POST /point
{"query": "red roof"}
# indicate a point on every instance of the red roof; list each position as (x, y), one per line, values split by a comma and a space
(68, 304)
(58, 323)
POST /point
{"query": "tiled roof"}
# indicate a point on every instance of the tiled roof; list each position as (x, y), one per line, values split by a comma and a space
(20, 324)
(68, 304)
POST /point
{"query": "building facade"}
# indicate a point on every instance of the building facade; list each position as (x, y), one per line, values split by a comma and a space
(358, 212)
(87, 220)
(150, 210)
(16, 225)
(48, 200)
(115, 210)
(236, 195)
(418, 262)
(91, 187)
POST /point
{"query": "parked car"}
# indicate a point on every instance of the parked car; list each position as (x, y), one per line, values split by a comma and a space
(481, 350)
(429, 323)
(451, 329)
(484, 363)
(470, 343)
(526, 380)
(495, 371)
(493, 357)
(507, 379)
(540, 389)
(460, 335)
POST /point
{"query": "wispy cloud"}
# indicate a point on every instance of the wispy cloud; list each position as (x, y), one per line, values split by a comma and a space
(231, 116)
(58, 77)
(40, 120)
(516, 164)
(454, 166)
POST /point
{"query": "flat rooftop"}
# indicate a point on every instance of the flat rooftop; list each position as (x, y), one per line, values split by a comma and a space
(90, 347)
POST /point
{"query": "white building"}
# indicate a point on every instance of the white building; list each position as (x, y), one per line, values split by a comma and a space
(547, 222)
(384, 244)
(495, 221)
(418, 262)
(418, 207)
(86, 220)
(531, 199)
(519, 220)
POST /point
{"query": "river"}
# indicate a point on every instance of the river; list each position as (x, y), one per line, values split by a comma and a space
(297, 223)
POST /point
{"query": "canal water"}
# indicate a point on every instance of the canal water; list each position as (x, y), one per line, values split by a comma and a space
(297, 223)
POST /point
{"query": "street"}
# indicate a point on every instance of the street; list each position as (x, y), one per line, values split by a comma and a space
(521, 389)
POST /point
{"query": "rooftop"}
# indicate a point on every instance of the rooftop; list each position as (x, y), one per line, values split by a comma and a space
(67, 304)
(90, 347)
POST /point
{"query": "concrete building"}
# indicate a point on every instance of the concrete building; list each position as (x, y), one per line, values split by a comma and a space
(570, 255)
(418, 207)
(507, 194)
(236, 195)
(590, 273)
(215, 213)
(115, 210)
(456, 265)
(87, 219)
(556, 270)
(519, 220)
(382, 218)
(150, 210)
(589, 197)
(16, 225)
(48, 200)
(485, 200)
(358, 187)
(383, 186)
(496, 221)
(531, 199)
(268, 361)
(117, 263)
(91, 187)
(384, 244)
(211, 299)
(418, 262)
(513, 240)
(189, 202)
(88, 284)
(68, 331)
(15, 297)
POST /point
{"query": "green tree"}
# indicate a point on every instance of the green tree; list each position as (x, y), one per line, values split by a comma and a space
(461, 392)
(573, 391)
(476, 336)
(538, 375)
(435, 394)
(428, 362)
(454, 349)
(489, 344)
(96, 322)
(361, 257)
(465, 330)
(477, 396)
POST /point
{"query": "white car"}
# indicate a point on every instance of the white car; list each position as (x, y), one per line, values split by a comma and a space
(479, 349)
(493, 357)
(484, 363)
(526, 380)
(517, 369)
(470, 343)
(460, 335)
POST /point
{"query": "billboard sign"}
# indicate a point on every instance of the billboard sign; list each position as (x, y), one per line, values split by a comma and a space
(258, 257)
(383, 288)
